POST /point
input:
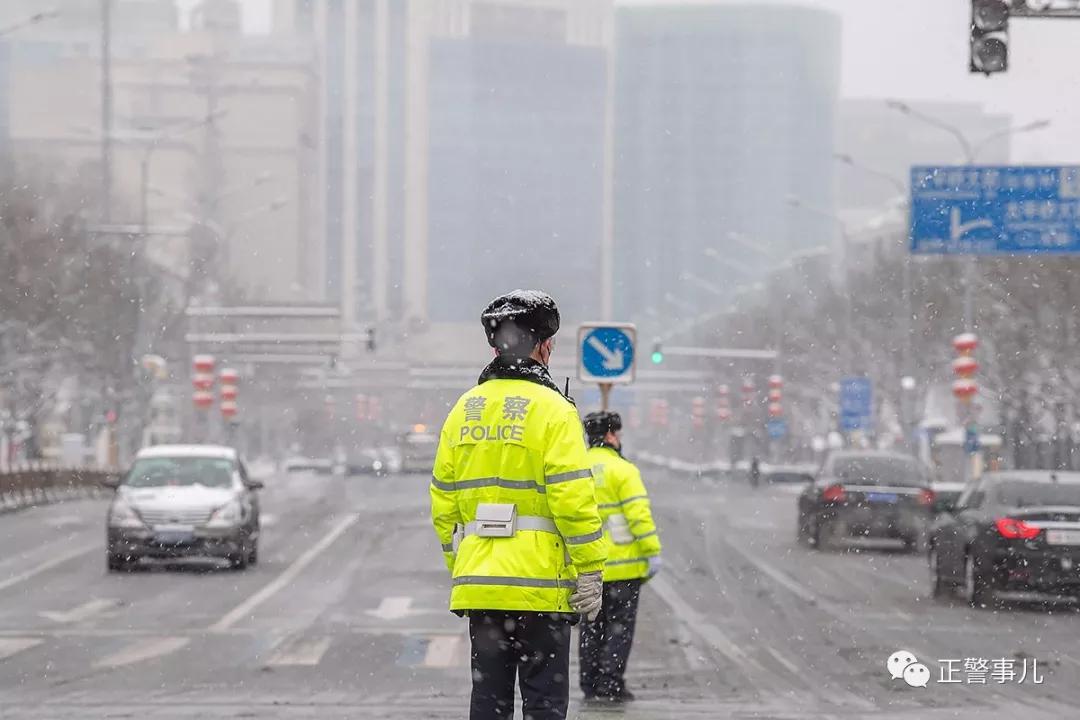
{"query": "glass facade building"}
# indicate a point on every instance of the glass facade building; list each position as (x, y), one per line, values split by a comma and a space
(722, 114)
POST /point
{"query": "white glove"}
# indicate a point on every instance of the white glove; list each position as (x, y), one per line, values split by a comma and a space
(589, 595)
(656, 563)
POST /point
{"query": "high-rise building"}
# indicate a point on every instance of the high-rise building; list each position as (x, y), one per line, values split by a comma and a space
(514, 158)
(465, 150)
(293, 16)
(222, 123)
(723, 114)
(363, 45)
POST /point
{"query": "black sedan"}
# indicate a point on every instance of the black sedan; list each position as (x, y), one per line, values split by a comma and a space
(1009, 531)
(867, 494)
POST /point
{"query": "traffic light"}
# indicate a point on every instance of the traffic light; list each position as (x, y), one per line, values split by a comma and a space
(657, 353)
(989, 36)
(370, 339)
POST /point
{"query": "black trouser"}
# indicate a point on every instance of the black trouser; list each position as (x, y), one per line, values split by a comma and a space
(606, 642)
(533, 646)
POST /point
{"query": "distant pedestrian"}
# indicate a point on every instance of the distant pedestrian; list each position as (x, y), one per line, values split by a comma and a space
(755, 472)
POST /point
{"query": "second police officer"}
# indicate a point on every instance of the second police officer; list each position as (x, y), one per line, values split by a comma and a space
(633, 558)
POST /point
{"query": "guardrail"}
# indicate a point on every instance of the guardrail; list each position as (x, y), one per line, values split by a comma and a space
(37, 485)
(678, 465)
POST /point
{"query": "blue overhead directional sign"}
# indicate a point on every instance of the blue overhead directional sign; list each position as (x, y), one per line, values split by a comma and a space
(777, 428)
(988, 210)
(606, 352)
(856, 403)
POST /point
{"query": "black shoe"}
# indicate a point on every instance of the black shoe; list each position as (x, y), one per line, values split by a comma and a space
(621, 697)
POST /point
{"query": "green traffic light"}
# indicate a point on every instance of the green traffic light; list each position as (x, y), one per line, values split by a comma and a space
(657, 357)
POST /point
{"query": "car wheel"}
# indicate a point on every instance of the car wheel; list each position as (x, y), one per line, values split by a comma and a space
(239, 561)
(802, 532)
(120, 563)
(938, 586)
(978, 590)
(916, 543)
(253, 554)
(827, 534)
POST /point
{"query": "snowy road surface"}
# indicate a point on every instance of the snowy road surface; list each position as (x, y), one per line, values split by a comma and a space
(345, 617)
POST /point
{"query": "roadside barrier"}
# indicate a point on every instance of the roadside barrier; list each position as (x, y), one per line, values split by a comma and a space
(41, 485)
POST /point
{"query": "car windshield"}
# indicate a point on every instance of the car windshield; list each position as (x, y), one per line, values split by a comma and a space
(1015, 493)
(180, 471)
(878, 471)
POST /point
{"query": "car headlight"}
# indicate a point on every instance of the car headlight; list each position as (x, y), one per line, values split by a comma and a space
(228, 515)
(122, 515)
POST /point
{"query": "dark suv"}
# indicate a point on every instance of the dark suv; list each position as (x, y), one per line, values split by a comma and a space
(867, 494)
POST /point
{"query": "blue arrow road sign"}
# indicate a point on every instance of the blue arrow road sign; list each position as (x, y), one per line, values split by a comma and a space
(606, 353)
(856, 403)
(986, 210)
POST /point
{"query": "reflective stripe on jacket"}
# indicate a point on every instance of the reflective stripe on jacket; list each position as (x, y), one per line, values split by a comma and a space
(516, 441)
(621, 492)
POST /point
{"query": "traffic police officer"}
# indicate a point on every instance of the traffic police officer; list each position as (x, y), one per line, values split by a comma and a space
(514, 507)
(633, 558)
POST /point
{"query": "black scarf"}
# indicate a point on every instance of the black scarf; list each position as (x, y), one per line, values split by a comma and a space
(601, 442)
(504, 367)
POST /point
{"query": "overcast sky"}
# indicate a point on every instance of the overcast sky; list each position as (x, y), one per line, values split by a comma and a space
(918, 49)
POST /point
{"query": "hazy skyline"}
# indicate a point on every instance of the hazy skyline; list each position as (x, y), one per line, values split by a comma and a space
(918, 50)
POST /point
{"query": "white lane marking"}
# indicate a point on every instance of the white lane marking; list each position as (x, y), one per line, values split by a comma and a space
(791, 667)
(303, 652)
(392, 608)
(443, 651)
(695, 620)
(782, 579)
(47, 565)
(141, 651)
(246, 608)
(82, 612)
(13, 646)
(906, 629)
(65, 520)
(753, 524)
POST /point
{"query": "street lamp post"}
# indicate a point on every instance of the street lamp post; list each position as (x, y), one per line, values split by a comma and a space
(167, 132)
(845, 253)
(970, 154)
(907, 379)
(28, 21)
(224, 236)
(746, 271)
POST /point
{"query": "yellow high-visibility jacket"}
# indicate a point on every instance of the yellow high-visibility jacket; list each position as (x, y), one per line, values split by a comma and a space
(516, 441)
(628, 521)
